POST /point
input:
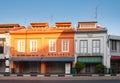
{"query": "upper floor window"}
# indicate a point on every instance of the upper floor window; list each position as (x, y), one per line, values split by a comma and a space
(65, 45)
(33, 45)
(2, 40)
(83, 46)
(113, 45)
(96, 46)
(21, 45)
(52, 45)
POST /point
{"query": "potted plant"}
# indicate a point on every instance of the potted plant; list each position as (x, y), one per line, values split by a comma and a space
(13, 70)
(79, 66)
(100, 68)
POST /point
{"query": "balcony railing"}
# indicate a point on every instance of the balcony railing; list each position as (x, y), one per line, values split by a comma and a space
(114, 51)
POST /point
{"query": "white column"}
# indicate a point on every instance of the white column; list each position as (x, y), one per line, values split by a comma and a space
(7, 64)
(106, 57)
(108, 54)
(75, 58)
(75, 50)
(7, 47)
(67, 68)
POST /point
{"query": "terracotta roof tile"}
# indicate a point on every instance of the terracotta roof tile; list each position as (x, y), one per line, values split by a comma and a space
(40, 30)
(3, 30)
(37, 24)
(9, 25)
(63, 23)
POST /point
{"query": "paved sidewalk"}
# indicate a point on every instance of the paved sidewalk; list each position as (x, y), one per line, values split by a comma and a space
(63, 78)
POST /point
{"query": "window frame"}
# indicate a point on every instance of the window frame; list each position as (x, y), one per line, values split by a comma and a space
(50, 42)
(83, 48)
(114, 45)
(67, 45)
(19, 47)
(32, 47)
(96, 46)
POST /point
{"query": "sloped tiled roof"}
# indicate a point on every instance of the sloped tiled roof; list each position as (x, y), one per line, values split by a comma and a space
(45, 24)
(9, 25)
(63, 23)
(4, 28)
(42, 30)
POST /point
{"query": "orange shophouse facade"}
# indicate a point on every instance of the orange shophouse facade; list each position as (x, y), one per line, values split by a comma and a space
(43, 49)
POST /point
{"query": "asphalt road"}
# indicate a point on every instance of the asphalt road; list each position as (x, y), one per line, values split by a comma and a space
(60, 81)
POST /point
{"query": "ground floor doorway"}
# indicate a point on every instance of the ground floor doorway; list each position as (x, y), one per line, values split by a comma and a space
(2, 65)
(45, 67)
(27, 67)
(89, 68)
(56, 67)
(115, 66)
(90, 63)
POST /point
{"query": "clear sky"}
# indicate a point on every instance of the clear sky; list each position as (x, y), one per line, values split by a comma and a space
(51, 11)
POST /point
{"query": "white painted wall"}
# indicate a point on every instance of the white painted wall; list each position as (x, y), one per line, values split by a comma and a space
(7, 49)
(91, 36)
(110, 52)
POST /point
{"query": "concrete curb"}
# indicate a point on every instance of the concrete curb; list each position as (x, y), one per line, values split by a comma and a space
(26, 75)
(53, 75)
(107, 74)
(56, 75)
(1, 75)
(68, 75)
(94, 75)
(40, 75)
(13, 75)
(118, 75)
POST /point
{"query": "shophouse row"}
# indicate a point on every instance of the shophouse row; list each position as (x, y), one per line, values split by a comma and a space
(48, 49)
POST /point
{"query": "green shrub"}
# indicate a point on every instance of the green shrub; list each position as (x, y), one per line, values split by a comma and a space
(100, 68)
(12, 70)
(79, 66)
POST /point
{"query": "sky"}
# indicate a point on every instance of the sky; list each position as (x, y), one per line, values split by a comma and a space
(25, 12)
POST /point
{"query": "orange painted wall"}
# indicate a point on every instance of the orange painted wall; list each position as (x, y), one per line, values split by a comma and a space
(43, 67)
(59, 38)
(43, 39)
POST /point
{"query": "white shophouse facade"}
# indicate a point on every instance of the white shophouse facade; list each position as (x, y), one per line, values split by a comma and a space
(91, 46)
(5, 46)
(4, 52)
(114, 52)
